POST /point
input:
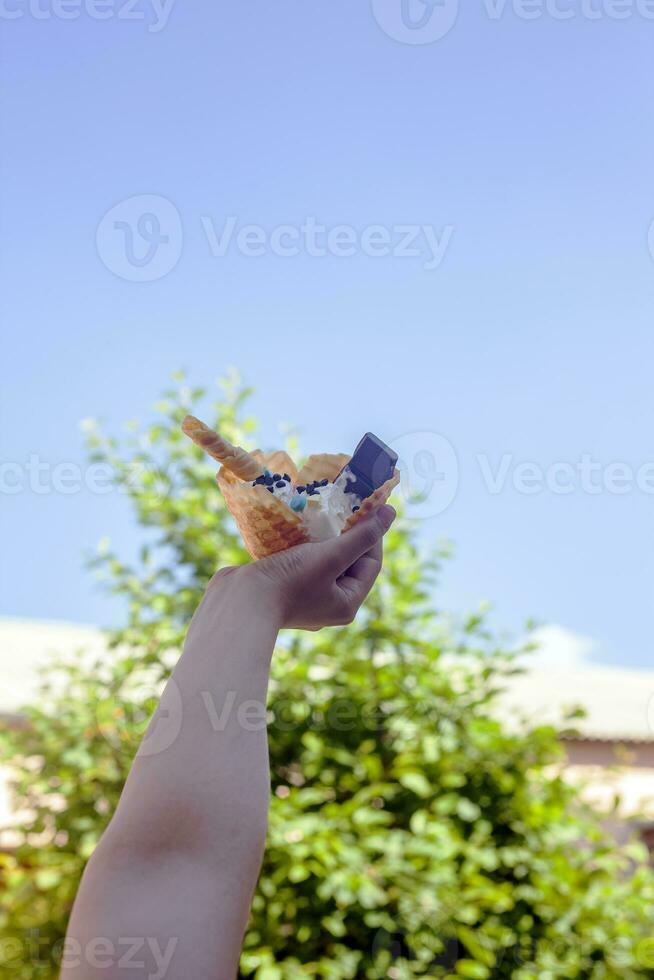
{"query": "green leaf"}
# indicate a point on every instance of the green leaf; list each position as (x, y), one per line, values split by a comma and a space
(417, 783)
(472, 969)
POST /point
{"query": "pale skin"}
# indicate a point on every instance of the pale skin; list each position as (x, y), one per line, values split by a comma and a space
(167, 892)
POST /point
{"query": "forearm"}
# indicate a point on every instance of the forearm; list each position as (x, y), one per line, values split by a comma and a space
(185, 844)
(212, 780)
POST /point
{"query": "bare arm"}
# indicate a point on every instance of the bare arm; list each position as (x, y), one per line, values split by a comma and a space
(175, 871)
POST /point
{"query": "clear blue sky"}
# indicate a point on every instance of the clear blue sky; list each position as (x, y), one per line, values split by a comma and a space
(532, 141)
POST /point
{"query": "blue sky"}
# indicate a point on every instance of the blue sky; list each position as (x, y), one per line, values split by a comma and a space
(523, 148)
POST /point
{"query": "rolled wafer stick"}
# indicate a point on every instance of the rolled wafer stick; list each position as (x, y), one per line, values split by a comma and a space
(240, 462)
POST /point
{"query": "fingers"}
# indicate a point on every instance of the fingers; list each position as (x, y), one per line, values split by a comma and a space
(376, 552)
(341, 553)
(360, 578)
(324, 583)
(366, 563)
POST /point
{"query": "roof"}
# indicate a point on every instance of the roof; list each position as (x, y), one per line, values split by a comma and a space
(619, 702)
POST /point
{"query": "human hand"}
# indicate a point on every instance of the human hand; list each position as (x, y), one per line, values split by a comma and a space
(324, 583)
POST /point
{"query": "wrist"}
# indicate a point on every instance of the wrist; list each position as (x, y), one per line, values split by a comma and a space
(246, 591)
(266, 595)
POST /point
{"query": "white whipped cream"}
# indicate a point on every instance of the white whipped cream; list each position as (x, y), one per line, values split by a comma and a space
(285, 493)
(323, 512)
(327, 510)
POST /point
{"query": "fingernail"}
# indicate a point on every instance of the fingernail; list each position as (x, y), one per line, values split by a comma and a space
(386, 515)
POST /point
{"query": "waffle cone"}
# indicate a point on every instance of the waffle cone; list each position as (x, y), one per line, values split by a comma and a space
(240, 462)
(375, 500)
(322, 466)
(266, 523)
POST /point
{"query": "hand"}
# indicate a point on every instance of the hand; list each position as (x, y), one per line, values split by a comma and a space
(324, 583)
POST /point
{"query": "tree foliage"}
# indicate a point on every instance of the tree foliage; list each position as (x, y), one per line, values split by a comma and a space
(411, 833)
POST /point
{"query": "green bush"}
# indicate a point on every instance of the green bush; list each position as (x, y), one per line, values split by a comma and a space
(411, 834)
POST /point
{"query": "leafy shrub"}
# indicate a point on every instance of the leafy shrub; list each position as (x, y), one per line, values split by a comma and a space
(411, 833)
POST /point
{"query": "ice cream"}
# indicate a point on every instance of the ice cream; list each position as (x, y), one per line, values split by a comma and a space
(324, 505)
(276, 505)
(276, 483)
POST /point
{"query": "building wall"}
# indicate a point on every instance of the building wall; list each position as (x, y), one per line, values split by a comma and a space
(609, 771)
(594, 752)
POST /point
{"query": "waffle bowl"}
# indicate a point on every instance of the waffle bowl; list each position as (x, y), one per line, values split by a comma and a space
(267, 524)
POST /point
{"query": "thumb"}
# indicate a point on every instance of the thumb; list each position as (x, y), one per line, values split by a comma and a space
(341, 552)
